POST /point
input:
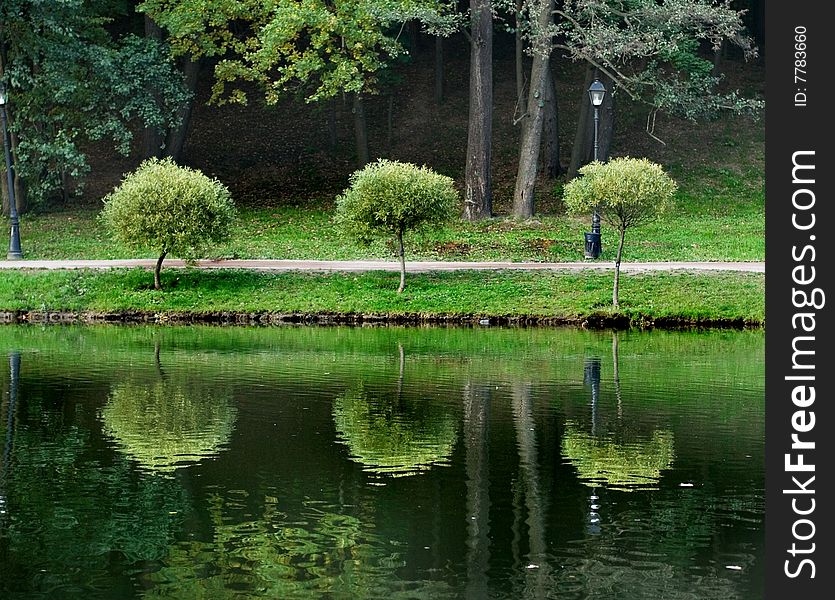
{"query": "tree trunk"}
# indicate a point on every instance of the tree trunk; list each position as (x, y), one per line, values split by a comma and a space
(476, 444)
(402, 255)
(607, 121)
(616, 287)
(153, 139)
(176, 139)
(157, 268)
(21, 199)
(478, 190)
(582, 149)
(520, 68)
(535, 584)
(390, 122)
(616, 373)
(360, 132)
(439, 70)
(551, 131)
(333, 139)
(582, 152)
(523, 195)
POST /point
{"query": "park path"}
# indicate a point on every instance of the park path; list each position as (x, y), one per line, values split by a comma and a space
(379, 265)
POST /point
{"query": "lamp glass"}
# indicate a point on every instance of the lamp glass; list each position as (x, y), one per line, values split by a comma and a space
(596, 93)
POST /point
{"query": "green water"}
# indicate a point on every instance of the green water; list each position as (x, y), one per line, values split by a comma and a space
(302, 462)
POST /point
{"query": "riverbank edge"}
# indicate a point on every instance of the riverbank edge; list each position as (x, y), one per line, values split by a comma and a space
(589, 321)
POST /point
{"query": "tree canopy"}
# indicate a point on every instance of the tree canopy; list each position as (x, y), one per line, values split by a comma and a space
(71, 81)
(315, 48)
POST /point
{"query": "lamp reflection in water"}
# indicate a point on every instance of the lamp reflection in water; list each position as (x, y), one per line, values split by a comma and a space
(591, 379)
(612, 456)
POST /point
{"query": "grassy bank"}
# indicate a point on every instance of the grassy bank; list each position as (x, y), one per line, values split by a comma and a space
(719, 215)
(677, 298)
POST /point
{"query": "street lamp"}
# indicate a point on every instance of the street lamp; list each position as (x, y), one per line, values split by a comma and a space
(593, 246)
(14, 240)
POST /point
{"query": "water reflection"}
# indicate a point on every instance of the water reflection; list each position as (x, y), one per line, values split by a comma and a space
(169, 423)
(9, 407)
(538, 431)
(393, 433)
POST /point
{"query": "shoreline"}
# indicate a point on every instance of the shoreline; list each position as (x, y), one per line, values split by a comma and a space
(591, 321)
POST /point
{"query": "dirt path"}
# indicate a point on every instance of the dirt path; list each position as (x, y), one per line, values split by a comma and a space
(379, 265)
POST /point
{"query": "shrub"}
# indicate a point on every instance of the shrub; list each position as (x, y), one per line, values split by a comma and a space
(626, 191)
(168, 209)
(389, 198)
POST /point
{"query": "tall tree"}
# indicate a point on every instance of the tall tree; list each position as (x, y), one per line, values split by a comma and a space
(71, 81)
(478, 189)
(316, 48)
(551, 130)
(649, 49)
(532, 123)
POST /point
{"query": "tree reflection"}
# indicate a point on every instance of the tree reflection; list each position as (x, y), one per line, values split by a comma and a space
(538, 569)
(476, 437)
(615, 456)
(320, 552)
(10, 408)
(73, 518)
(392, 437)
(170, 422)
(391, 433)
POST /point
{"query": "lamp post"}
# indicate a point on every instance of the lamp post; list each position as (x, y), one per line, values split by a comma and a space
(593, 246)
(14, 239)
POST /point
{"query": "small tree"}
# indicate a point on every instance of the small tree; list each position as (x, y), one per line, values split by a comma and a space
(168, 209)
(626, 191)
(390, 198)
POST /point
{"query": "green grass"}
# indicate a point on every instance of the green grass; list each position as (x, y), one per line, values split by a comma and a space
(719, 215)
(688, 297)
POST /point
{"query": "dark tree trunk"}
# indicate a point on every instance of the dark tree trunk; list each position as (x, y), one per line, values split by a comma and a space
(439, 70)
(582, 152)
(476, 444)
(157, 268)
(478, 190)
(360, 132)
(20, 197)
(521, 101)
(551, 130)
(390, 122)
(582, 149)
(413, 27)
(333, 139)
(153, 140)
(523, 195)
(176, 140)
(523, 419)
(718, 57)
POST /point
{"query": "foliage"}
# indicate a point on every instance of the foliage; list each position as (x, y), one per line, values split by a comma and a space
(70, 81)
(390, 198)
(169, 209)
(627, 191)
(620, 465)
(169, 423)
(651, 48)
(392, 436)
(321, 48)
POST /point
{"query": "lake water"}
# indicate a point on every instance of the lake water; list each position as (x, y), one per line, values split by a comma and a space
(300, 462)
